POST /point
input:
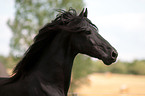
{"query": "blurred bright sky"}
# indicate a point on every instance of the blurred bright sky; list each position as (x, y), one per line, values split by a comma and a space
(121, 22)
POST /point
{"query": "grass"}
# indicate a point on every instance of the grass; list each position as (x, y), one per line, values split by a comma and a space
(112, 85)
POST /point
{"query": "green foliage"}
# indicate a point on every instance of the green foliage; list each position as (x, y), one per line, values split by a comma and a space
(9, 61)
(135, 67)
(30, 16)
(119, 67)
(3, 59)
(81, 68)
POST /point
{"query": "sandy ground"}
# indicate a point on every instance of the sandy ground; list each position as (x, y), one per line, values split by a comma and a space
(109, 84)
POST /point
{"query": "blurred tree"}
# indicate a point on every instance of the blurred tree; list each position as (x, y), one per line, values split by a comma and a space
(99, 67)
(137, 67)
(81, 68)
(30, 15)
(119, 67)
(3, 59)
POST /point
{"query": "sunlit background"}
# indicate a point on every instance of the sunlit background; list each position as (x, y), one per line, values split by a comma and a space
(121, 22)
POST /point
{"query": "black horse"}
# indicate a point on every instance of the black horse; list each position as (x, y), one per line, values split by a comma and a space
(45, 69)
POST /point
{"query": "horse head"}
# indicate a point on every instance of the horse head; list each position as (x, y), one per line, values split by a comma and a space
(87, 40)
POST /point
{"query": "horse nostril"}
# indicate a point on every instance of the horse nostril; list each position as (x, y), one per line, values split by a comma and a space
(114, 55)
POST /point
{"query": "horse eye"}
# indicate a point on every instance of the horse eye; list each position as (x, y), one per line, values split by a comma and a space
(88, 32)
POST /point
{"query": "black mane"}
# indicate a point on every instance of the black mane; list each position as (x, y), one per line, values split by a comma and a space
(46, 34)
(45, 69)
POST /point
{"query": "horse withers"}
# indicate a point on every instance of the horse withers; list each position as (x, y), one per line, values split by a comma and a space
(45, 68)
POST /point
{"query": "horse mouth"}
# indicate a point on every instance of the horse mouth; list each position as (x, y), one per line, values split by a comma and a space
(109, 62)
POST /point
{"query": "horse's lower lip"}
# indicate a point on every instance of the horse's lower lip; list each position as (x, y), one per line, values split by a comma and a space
(109, 62)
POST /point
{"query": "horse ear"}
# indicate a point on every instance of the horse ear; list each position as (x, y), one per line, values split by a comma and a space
(82, 13)
(86, 13)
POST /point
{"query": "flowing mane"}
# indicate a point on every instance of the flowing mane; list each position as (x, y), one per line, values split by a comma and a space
(45, 69)
(44, 37)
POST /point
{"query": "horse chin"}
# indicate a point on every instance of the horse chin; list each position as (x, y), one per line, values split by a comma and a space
(105, 60)
(108, 62)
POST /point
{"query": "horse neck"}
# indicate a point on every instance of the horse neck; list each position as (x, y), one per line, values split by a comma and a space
(56, 63)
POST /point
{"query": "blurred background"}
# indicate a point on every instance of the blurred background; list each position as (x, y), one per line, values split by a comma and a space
(121, 22)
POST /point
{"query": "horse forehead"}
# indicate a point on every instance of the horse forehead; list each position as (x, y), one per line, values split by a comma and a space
(85, 23)
(89, 24)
